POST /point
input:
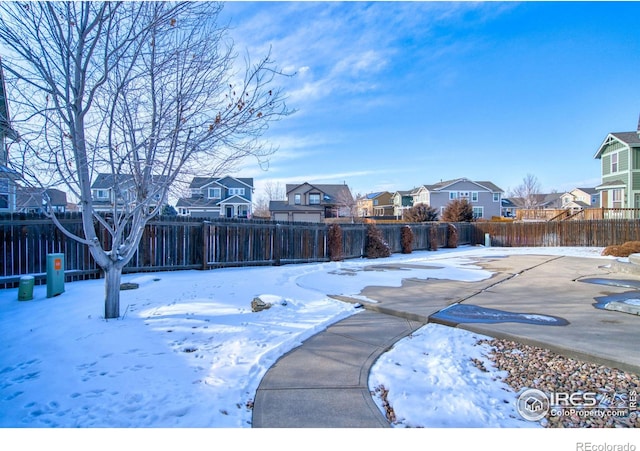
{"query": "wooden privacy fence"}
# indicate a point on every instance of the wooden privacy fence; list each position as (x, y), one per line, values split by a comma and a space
(174, 243)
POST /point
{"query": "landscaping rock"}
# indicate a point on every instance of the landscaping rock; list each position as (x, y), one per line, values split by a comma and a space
(129, 286)
(258, 305)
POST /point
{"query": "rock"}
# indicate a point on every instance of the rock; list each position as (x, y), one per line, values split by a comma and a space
(129, 286)
(258, 305)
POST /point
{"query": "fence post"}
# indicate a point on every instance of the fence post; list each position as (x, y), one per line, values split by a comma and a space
(206, 235)
(277, 244)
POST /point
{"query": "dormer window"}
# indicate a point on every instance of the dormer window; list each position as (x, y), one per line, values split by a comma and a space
(213, 193)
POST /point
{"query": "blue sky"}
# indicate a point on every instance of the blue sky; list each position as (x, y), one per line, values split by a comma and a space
(393, 95)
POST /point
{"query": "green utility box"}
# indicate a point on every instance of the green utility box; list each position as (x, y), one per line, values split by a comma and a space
(55, 274)
(25, 289)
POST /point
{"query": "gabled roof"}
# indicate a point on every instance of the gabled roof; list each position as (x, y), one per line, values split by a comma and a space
(32, 197)
(332, 192)
(631, 139)
(201, 182)
(235, 199)
(489, 186)
(107, 181)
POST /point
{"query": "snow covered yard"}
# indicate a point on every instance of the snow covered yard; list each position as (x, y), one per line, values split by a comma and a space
(188, 351)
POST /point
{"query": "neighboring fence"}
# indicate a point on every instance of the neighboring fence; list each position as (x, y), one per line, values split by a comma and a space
(557, 214)
(173, 243)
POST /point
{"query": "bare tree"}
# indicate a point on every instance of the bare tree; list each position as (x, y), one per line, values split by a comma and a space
(528, 192)
(141, 91)
(272, 191)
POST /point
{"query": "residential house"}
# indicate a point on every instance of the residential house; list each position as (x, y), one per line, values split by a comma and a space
(509, 208)
(36, 200)
(8, 177)
(216, 197)
(619, 155)
(119, 190)
(313, 203)
(484, 197)
(401, 201)
(580, 198)
(375, 204)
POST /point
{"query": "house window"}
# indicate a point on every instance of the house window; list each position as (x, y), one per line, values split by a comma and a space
(496, 197)
(616, 198)
(214, 193)
(297, 199)
(614, 162)
(474, 196)
(375, 202)
(236, 191)
(478, 212)
(101, 194)
(4, 194)
(314, 199)
(453, 195)
(243, 210)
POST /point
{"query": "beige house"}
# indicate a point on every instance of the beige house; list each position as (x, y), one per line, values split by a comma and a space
(308, 202)
(375, 204)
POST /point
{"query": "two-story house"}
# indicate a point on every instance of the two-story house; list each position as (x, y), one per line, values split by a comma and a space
(619, 155)
(484, 197)
(375, 204)
(580, 198)
(401, 201)
(215, 197)
(119, 190)
(8, 177)
(313, 203)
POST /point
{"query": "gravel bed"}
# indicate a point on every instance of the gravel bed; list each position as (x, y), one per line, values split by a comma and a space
(542, 369)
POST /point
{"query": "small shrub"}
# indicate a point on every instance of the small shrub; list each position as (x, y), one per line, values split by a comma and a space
(458, 210)
(376, 246)
(452, 236)
(406, 239)
(433, 238)
(624, 250)
(336, 249)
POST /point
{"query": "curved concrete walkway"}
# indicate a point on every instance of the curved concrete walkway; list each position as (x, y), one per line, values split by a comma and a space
(323, 382)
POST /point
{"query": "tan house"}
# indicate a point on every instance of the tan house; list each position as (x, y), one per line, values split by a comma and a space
(308, 202)
(375, 204)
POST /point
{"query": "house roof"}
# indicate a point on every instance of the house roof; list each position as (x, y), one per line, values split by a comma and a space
(588, 190)
(32, 197)
(611, 184)
(8, 173)
(5, 123)
(631, 139)
(106, 181)
(201, 182)
(332, 192)
(489, 186)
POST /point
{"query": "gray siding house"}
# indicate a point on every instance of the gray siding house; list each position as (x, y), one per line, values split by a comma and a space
(484, 197)
(218, 197)
(110, 191)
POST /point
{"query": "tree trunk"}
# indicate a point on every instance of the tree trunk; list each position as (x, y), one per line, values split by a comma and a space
(112, 275)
